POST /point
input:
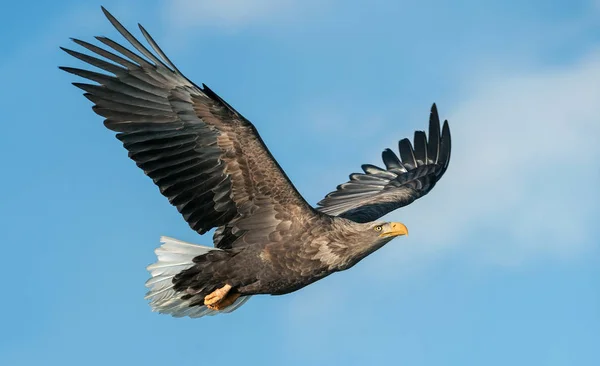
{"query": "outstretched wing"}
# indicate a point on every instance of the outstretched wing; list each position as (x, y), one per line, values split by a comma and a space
(206, 158)
(378, 191)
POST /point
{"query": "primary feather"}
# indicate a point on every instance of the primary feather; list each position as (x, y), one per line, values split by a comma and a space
(367, 197)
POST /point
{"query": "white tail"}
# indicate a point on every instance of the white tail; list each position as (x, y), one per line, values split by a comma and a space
(175, 256)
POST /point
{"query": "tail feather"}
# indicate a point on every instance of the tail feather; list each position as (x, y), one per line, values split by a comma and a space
(175, 256)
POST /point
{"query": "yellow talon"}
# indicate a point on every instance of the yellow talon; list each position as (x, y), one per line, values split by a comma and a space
(220, 298)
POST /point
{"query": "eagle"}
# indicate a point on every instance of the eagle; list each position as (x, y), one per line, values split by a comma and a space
(212, 165)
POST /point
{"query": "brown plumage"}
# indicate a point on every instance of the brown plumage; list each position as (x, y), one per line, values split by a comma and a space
(212, 165)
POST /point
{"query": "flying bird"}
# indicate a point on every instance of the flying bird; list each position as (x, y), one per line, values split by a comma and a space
(212, 165)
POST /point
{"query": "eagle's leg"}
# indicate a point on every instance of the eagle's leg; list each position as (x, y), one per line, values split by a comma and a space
(220, 298)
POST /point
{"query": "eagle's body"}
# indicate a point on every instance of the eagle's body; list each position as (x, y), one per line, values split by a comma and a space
(212, 165)
(304, 253)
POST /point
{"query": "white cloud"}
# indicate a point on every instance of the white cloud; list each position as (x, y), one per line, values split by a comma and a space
(522, 186)
(235, 13)
(524, 175)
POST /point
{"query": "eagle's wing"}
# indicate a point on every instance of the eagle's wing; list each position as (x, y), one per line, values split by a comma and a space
(366, 197)
(206, 158)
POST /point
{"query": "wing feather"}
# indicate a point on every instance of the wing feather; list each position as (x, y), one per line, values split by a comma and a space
(420, 148)
(206, 158)
(407, 154)
(391, 161)
(366, 197)
(433, 146)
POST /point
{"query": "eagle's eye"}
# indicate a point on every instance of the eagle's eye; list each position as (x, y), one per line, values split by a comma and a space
(378, 228)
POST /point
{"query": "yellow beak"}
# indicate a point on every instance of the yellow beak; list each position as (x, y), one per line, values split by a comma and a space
(396, 229)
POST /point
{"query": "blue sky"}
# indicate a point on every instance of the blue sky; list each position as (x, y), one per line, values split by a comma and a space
(502, 265)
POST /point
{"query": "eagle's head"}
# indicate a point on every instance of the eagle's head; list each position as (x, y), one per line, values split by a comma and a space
(362, 239)
(388, 229)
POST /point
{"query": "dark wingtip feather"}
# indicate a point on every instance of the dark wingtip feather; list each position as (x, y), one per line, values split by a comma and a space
(91, 75)
(391, 161)
(446, 127)
(434, 109)
(82, 86)
(65, 50)
(420, 144)
(446, 147)
(131, 39)
(101, 64)
(373, 169)
(433, 145)
(407, 154)
(446, 138)
(67, 69)
(107, 13)
(73, 53)
(157, 49)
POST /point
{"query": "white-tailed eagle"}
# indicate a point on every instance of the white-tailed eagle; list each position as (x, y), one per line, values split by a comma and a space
(212, 165)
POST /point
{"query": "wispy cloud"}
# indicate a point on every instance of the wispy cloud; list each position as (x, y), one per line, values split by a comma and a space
(522, 187)
(523, 179)
(523, 182)
(236, 13)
